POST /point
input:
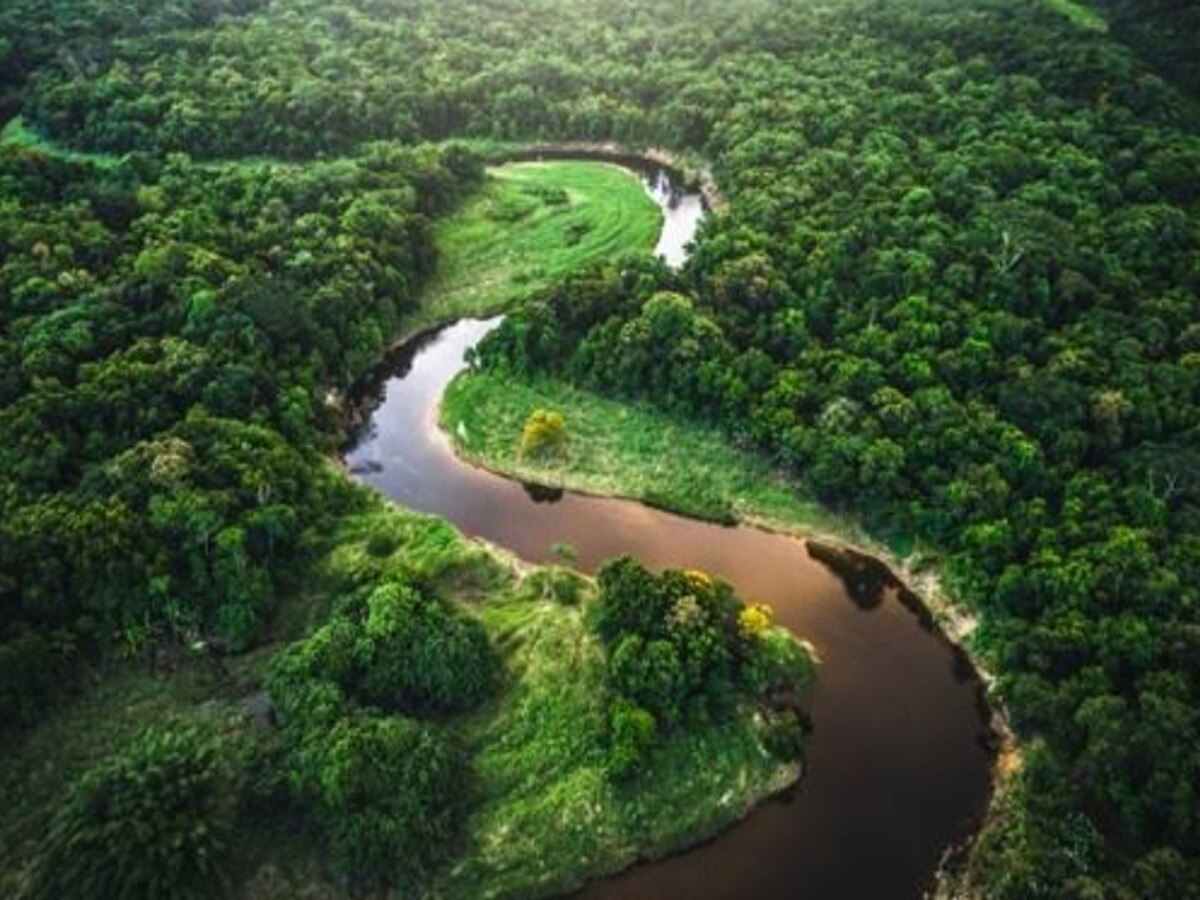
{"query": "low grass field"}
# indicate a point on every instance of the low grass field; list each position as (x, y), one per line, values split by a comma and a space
(627, 450)
(530, 225)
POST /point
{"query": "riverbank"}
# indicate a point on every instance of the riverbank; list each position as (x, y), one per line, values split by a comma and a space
(640, 453)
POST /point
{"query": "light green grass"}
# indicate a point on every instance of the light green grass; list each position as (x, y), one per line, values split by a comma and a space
(1080, 13)
(627, 450)
(531, 225)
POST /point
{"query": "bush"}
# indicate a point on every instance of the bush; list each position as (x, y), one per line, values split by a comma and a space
(417, 654)
(390, 793)
(783, 735)
(630, 601)
(776, 664)
(630, 739)
(150, 822)
(649, 674)
(544, 432)
(402, 650)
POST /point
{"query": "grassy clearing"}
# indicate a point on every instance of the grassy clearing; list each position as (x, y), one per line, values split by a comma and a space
(530, 225)
(627, 450)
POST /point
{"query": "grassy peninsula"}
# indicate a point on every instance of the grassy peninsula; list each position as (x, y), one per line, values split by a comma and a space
(623, 449)
(531, 224)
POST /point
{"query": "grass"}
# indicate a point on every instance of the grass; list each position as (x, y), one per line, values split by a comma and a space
(530, 225)
(627, 450)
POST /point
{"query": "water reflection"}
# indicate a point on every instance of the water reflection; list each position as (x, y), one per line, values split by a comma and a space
(541, 493)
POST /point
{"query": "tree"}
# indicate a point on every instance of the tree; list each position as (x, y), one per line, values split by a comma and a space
(544, 433)
(153, 820)
(391, 795)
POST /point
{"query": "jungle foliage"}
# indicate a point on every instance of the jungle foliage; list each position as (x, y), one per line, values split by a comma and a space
(682, 648)
(389, 788)
(954, 290)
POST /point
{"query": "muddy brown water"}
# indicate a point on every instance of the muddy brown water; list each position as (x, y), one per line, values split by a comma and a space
(899, 761)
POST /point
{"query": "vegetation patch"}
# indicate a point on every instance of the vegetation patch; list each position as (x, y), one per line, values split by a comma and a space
(557, 804)
(624, 449)
(530, 225)
(491, 775)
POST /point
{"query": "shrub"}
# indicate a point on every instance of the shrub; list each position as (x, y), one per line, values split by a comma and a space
(649, 674)
(151, 821)
(777, 663)
(544, 432)
(630, 601)
(401, 650)
(783, 734)
(417, 654)
(390, 793)
(630, 740)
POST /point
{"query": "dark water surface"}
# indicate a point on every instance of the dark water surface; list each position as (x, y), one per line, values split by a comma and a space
(899, 761)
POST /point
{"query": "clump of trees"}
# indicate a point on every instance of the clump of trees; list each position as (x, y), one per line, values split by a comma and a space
(682, 649)
(153, 820)
(387, 784)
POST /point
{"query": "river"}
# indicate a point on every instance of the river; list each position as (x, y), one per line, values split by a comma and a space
(899, 761)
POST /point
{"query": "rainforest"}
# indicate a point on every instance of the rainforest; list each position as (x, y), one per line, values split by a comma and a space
(659, 448)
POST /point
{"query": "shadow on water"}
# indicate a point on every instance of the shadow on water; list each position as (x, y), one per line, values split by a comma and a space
(541, 493)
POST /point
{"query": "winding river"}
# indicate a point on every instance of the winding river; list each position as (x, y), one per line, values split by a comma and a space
(899, 761)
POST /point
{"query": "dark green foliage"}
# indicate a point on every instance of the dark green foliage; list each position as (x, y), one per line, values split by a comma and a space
(399, 649)
(153, 821)
(650, 675)
(390, 792)
(678, 654)
(631, 738)
(417, 654)
(777, 665)
(31, 676)
(164, 366)
(1163, 32)
(784, 734)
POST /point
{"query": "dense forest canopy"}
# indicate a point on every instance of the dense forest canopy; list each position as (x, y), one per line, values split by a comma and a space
(955, 290)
